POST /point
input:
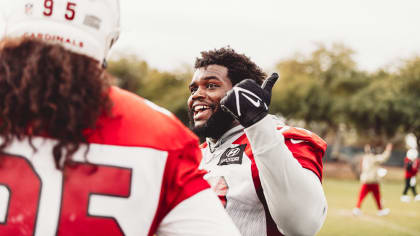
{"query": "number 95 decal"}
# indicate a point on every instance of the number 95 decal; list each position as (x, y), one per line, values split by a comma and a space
(70, 9)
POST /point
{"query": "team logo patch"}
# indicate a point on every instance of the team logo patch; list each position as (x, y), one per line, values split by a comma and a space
(232, 155)
(29, 8)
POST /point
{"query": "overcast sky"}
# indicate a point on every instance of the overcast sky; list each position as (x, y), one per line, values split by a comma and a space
(171, 33)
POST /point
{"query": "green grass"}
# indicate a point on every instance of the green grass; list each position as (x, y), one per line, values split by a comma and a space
(404, 219)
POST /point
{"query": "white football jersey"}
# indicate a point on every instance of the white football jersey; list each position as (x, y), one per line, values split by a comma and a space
(233, 175)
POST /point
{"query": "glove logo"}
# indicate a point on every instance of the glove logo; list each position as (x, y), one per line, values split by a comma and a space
(244, 92)
(256, 104)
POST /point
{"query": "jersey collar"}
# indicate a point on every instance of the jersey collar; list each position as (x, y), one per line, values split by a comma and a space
(226, 136)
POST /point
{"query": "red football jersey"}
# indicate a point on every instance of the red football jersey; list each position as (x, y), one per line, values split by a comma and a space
(412, 171)
(140, 164)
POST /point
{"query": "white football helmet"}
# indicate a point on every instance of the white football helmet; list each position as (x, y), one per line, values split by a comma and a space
(88, 27)
(412, 154)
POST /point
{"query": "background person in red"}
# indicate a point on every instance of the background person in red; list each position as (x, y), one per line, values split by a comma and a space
(79, 156)
(411, 166)
(267, 174)
(370, 178)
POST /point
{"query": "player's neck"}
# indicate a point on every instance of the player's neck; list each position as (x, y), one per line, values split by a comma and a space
(215, 143)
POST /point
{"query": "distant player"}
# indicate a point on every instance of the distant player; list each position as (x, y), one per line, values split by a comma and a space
(81, 157)
(370, 178)
(411, 166)
(268, 175)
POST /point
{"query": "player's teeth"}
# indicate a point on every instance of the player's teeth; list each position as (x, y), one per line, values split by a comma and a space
(200, 108)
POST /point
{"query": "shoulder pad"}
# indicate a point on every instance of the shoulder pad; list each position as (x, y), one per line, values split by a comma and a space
(300, 134)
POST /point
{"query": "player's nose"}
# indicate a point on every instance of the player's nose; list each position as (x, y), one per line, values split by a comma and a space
(198, 94)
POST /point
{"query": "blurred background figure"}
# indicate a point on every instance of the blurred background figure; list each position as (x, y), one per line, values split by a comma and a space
(411, 166)
(370, 177)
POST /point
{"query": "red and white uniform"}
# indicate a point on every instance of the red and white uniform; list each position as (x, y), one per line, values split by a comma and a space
(139, 177)
(415, 164)
(269, 178)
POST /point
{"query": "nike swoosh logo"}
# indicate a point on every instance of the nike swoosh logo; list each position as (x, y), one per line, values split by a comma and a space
(243, 92)
(294, 141)
(255, 103)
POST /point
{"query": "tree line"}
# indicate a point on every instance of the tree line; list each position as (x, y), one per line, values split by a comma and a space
(324, 91)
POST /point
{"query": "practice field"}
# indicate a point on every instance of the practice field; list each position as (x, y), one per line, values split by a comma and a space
(403, 220)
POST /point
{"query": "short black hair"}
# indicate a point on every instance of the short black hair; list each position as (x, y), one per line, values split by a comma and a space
(239, 66)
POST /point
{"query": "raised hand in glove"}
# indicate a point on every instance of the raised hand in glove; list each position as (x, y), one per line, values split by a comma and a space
(248, 102)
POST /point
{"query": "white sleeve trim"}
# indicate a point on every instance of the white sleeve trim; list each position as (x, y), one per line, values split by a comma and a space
(294, 195)
(199, 215)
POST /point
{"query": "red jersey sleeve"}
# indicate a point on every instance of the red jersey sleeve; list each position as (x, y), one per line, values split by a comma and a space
(182, 179)
(307, 147)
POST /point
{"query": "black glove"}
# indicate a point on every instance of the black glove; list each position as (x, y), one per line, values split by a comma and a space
(247, 102)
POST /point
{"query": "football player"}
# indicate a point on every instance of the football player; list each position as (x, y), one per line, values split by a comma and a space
(268, 175)
(370, 178)
(411, 166)
(79, 156)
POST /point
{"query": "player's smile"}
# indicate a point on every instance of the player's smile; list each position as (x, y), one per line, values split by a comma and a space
(208, 86)
(202, 112)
